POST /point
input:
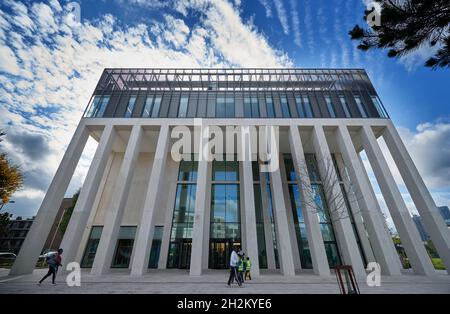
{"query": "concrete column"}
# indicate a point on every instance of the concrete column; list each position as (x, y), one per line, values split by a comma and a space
(83, 207)
(268, 236)
(284, 240)
(146, 228)
(34, 242)
(409, 235)
(198, 253)
(313, 233)
(437, 229)
(340, 219)
(106, 246)
(355, 211)
(250, 215)
(382, 245)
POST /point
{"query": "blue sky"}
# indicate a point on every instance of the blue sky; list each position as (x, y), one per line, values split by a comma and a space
(49, 64)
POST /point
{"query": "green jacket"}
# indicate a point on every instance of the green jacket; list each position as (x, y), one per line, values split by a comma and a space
(247, 268)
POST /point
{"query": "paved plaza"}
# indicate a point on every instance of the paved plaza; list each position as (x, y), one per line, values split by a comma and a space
(179, 282)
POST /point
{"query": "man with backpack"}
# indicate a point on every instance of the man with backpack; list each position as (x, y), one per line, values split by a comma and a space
(53, 262)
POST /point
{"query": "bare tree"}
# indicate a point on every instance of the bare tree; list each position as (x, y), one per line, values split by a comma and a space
(329, 191)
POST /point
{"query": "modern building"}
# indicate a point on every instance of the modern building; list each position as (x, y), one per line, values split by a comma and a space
(445, 213)
(420, 227)
(307, 209)
(18, 229)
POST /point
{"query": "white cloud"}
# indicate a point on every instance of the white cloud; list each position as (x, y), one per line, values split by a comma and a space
(282, 15)
(8, 61)
(48, 77)
(267, 7)
(296, 23)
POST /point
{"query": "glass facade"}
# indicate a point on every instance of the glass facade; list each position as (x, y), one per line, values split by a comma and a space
(330, 107)
(225, 221)
(91, 247)
(269, 107)
(124, 247)
(228, 93)
(259, 215)
(323, 213)
(183, 216)
(182, 109)
(285, 107)
(272, 218)
(344, 105)
(360, 106)
(297, 212)
(156, 247)
(349, 209)
(130, 107)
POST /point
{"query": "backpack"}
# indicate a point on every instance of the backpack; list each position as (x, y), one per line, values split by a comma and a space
(50, 259)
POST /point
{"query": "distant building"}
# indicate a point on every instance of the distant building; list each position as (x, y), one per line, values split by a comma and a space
(445, 213)
(419, 224)
(18, 229)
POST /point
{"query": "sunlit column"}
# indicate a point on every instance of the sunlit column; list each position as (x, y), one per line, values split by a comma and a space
(249, 201)
(382, 245)
(313, 233)
(198, 252)
(34, 242)
(83, 207)
(105, 251)
(339, 216)
(409, 235)
(435, 225)
(155, 187)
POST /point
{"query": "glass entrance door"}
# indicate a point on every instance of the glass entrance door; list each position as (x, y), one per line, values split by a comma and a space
(180, 254)
(219, 253)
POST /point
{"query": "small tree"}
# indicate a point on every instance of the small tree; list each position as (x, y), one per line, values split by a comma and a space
(11, 178)
(330, 185)
(408, 25)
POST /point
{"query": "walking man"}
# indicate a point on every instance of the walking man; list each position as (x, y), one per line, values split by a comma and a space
(234, 260)
(53, 261)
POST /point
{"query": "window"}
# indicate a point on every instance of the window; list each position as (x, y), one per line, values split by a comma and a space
(360, 106)
(285, 107)
(272, 219)
(124, 247)
(330, 107)
(320, 202)
(299, 105)
(269, 107)
(183, 216)
(345, 106)
(229, 106)
(146, 112)
(220, 107)
(251, 107)
(225, 212)
(307, 106)
(156, 247)
(97, 107)
(182, 107)
(259, 208)
(156, 106)
(91, 247)
(377, 104)
(130, 107)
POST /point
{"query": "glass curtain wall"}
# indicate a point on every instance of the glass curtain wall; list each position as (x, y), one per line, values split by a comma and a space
(297, 211)
(323, 213)
(272, 217)
(183, 216)
(259, 208)
(349, 210)
(225, 228)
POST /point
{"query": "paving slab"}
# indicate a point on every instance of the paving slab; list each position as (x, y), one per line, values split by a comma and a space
(179, 282)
